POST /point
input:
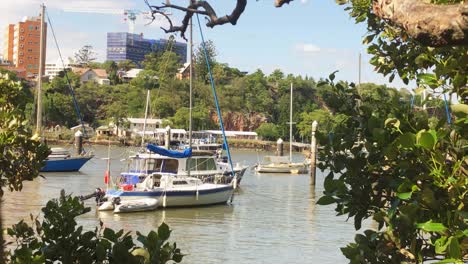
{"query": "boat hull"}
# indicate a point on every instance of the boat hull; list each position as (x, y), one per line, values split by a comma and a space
(64, 165)
(140, 205)
(179, 198)
(299, 169)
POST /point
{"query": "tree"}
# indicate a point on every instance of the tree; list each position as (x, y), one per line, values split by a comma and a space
(201, 69)
(22, 155)
(268, 131)
(112, 68)
(390, 164)
(85, 56)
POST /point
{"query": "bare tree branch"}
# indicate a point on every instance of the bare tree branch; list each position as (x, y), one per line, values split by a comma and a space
(431, 24)
(280, 3)
(197, 7)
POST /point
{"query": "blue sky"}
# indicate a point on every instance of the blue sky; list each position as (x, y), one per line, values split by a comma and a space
(307, 37)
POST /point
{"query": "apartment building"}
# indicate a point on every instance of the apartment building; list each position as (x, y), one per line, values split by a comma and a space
(22, 45)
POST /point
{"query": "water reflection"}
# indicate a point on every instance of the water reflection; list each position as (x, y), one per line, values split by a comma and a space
(273, 219)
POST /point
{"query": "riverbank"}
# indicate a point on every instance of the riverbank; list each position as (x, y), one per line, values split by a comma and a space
(238, 144)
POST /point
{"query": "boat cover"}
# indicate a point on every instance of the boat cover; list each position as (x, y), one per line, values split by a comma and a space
(170, 153)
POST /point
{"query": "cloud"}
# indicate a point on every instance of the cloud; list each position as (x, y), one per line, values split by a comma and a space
(307, 48)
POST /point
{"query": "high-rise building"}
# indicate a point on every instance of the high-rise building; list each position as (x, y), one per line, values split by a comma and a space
(22, 45)
(126, 46)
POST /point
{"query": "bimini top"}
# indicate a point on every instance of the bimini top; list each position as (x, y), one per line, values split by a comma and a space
(187, 153)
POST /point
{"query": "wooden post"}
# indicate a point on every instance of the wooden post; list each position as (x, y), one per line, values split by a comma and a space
(79, 142)
(313, 150)
(279, 147)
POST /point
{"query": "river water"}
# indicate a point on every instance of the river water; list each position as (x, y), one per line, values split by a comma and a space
(273, 218)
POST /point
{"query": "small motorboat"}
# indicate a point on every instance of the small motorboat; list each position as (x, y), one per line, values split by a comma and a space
(129, 206)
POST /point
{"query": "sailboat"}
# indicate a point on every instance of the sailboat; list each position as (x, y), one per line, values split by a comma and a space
(60, 160)
(170, 178)
(283, 164)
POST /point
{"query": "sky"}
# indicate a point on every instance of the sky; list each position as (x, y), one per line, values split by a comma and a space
(307, 37)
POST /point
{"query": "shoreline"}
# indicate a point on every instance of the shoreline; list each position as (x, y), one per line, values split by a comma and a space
(238, 144)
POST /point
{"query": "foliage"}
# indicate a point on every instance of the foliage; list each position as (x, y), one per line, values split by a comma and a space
(201, 69)
(394, 52)
(85, 56)
(387, 164)
(268, 131)
(21, 154)
(59, 238)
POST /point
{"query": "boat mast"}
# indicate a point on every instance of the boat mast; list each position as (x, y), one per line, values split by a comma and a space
(291, 124)
(191, 82)
(146, 117)
(191, 88)
(39, 76)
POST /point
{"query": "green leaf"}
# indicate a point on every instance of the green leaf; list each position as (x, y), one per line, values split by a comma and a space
(164, 232)
(405, 195)
(431, 227)
(142, 253)
(451, 260)
(425, 139)
(454, 250)
(441, 245)
(392, 122)
(407, 140)
(459, 80)
(428, 79)
(332, 76)
(459, 108)
(326, 200)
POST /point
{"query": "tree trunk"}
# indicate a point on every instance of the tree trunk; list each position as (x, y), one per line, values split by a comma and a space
(430, 24)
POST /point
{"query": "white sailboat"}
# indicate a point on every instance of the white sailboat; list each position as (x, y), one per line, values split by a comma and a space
(170, 178)
(283, 164)
(60, 160)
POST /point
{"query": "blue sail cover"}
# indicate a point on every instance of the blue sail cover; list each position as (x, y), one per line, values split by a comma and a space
(169, 153)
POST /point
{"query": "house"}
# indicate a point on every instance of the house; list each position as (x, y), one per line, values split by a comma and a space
(94, 75)
(104, 131)
(184, 72)
(136, 125)
(130, 75)
(88, 131)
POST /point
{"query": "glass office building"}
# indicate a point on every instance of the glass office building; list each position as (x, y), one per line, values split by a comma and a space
(125, 46)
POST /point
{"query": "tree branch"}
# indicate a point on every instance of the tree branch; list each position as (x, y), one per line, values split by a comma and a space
(206, 10)
(280, 3)
(430, 24)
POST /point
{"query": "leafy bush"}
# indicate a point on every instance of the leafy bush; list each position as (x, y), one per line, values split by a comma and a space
(59, 238)
(387, 164)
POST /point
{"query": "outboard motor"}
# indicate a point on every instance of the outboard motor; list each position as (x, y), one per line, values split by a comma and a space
(100, 193)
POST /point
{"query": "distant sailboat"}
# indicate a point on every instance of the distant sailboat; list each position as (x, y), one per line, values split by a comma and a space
(281, 164)
(60, 160)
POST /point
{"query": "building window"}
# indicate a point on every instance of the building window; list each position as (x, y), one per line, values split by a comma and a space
(31, 27)
(21, 62)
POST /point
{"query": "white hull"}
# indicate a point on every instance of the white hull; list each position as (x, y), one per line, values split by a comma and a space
(179, 198)
(139, 205)
(293, 168)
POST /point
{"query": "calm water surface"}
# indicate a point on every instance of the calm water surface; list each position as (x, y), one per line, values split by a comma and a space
(273, 219)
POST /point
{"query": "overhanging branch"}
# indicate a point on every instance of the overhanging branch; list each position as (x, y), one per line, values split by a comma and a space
(430, 24)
